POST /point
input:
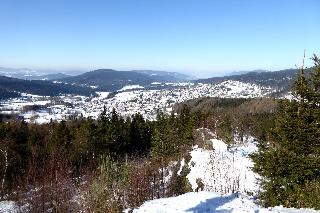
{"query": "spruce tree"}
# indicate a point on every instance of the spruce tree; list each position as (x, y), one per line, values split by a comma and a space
(289, 162)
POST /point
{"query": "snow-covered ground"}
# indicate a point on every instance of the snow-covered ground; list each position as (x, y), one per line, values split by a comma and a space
(224, 170)
(199, 202)
(147, 102)
(9, 207)
(132, 99)
(130, 87)
(228, 180)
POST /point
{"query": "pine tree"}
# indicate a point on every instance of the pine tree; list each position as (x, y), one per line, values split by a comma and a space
(290, 161)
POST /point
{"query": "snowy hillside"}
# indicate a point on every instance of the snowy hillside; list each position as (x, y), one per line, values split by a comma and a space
(224, 170)
(228, 181)
(132, 99)
(147, 102)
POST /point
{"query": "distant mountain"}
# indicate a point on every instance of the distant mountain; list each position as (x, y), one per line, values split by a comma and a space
(112, 80)
(31, 74)
(22, 73)
(167, 76)
(48, 77)
(11, 87)
(280, 80)
(244, 72)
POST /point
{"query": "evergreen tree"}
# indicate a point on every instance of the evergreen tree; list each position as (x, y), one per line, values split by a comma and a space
(139, 135)
(289, 162)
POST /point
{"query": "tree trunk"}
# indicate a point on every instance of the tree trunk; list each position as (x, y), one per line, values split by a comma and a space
(5, 154)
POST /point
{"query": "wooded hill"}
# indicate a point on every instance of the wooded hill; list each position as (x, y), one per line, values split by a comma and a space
(112, 80)
(11, 87)
(281, 80)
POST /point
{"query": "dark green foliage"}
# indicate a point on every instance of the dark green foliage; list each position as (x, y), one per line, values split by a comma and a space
(232, 119)
(225, 129)
(10, 86)
(179, 183)
(14, 138)
(6, 117)
(108, 191)
(289, 161)
(139, 135)
(172, 133)
(5, 94)
(78, 144)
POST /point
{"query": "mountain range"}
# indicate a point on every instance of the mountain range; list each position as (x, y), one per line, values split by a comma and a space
(32, 74)
(280, 80)
(111, 80)
(11, 87)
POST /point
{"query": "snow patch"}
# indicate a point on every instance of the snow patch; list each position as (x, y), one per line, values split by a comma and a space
(9, 206)
(103, 95)
(224, 170)
(219, 146)
(129, 87)
(210, 202)
(155, 83)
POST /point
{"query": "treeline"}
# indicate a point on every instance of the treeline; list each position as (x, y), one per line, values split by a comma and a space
(233, 119)
(37, 87)
(5, 94)
(47, 165)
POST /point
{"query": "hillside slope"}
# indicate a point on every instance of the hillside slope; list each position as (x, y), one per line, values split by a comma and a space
(112, 80)
(229, 184)
(9, 88)
(280, 80)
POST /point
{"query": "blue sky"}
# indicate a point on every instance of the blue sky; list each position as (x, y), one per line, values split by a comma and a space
(202, 37)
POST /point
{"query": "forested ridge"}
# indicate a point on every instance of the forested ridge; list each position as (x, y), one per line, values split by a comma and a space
(281, 80)
(11, 87)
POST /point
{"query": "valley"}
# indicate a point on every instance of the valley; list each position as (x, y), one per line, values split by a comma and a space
(160, 106)
(127, 101)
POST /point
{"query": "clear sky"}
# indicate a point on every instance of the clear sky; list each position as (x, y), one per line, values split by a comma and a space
(203, 37)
